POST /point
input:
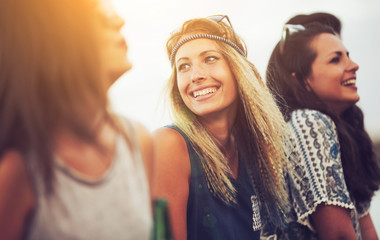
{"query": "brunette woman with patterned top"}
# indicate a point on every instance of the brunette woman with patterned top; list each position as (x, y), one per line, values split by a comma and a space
(336, 172)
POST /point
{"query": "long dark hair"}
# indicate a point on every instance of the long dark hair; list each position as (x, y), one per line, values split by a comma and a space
(320, 17)
(287, 72)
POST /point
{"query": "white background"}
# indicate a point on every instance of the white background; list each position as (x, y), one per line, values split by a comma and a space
(138, 94)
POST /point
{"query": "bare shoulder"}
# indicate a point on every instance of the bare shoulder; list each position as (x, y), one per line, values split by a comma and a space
(172, 176)
(172, 159)
(13, 172)
(172, 144)
(145, 137)
(12, 162)
(169, 136)
(16, 195)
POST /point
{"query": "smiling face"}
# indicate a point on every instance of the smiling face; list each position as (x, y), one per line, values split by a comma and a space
(114, 45)
(205, 80)
(333, 76)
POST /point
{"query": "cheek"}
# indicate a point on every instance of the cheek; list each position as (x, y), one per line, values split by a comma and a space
(182, 83)
(318, 78)
(322, 85)
(235, 94)
(231, 88)
(181, 91)
(232, 84)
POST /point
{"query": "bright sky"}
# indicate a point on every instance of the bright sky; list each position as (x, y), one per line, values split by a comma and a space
(138, 93)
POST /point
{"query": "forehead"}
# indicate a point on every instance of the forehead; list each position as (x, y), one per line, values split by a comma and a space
(327, 43)
(195, 47)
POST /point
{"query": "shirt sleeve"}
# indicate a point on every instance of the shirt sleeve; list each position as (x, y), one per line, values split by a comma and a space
(318, 175)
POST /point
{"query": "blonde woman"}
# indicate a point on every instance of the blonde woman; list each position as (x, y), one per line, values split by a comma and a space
(70, 168)
(220, 164)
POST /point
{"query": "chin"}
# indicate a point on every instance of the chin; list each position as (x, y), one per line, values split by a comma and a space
(356, 100)
(352, 103)
(123, 67)
(128, 66)
(118, 72)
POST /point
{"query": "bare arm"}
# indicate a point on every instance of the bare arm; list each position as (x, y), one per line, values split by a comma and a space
(16, 196)
(333, 222)
(172, 172)
(367, 228)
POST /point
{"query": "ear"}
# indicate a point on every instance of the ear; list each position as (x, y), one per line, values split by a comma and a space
(307, 81)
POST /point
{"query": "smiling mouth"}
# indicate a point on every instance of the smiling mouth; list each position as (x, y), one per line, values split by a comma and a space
(204, 92)
(348, 82)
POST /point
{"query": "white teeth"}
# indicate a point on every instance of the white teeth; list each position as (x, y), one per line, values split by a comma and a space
(204, 92)
(349, 82)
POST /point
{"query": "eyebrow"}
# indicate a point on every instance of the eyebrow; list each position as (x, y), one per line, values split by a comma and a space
(201, 54)
(339, 53)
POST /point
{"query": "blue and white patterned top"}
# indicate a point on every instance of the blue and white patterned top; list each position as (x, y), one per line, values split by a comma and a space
(318, 176)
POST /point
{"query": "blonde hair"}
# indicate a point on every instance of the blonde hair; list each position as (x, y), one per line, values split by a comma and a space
(259, 128)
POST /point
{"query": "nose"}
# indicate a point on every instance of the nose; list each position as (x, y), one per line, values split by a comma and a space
(117, 21)
(198, 74)
(352, 66)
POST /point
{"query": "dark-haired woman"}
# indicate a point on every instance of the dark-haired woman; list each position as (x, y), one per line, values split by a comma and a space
(336, 172)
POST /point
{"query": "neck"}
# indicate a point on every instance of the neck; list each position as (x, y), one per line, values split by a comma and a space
(220, 129)
(220, 125)
(89, 158)
(221, 132)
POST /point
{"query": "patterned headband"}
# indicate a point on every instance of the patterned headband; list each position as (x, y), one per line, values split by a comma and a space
(208, 36)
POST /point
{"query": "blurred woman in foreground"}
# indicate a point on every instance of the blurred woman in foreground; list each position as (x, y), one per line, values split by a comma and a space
(70, 168)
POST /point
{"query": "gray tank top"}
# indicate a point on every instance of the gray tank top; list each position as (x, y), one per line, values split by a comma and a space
(116, 206)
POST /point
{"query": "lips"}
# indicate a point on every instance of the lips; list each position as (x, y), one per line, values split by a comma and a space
(123, 43)
(204, 92)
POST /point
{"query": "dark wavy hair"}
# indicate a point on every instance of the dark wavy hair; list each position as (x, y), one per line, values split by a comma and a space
(286, 75)
(320, 17)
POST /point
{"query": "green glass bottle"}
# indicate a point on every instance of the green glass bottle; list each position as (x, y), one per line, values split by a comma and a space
(161, 225)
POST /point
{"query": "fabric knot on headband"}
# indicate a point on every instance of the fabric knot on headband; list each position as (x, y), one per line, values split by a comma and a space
(198, 36)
